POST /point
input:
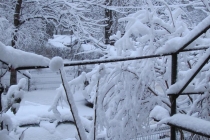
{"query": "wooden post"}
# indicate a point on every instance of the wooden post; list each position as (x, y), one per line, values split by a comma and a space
(173, 97)
(13, 77)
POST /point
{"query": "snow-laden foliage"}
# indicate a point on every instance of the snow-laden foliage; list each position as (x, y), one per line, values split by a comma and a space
(4, 135)
(132, 96)
(5, 30)
(145, 35)
(14, 96)
(11, 101)
(128, 91)
(39, 18)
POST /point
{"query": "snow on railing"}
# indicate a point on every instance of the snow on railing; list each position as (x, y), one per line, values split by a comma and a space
(181, 121)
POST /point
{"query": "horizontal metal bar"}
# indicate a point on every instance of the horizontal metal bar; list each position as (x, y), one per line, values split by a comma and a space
(187, 93)
(91, 62)
(17, 70)
(98, 61)
(194, 49)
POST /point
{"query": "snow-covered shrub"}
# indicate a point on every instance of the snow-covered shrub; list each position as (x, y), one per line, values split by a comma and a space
(14, 96)
(132, 89)
(11, 101)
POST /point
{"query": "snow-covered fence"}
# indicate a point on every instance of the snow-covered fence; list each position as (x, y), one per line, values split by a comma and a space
(46, 79)
(40, 79)
(5, 80)
(158, 133)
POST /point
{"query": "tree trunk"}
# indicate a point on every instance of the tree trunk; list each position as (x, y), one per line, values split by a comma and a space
(13, 75)
(108, 16)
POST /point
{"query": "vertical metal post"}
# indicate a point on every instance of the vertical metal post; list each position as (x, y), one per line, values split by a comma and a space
(1, 105)
(29, 84)
(1, 91)
(173, 97)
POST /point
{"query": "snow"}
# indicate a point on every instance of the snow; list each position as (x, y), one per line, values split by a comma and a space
(5, 136)
(61, 41)
(17, 58)
(88, 47)
(73, 108)
(14, 96)
(56, 63)
(159, 113)
(175, 88)
(136, 27)
(174, 44)
(181, 120)
(189, 122)
(7, 122)
(21, 83)
(34, 110)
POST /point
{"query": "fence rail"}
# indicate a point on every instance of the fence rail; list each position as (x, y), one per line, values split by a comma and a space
(40, 79)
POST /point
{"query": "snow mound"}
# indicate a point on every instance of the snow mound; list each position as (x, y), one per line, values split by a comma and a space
(191, 123)
(17, 58)
(159, 113)
(56, 63)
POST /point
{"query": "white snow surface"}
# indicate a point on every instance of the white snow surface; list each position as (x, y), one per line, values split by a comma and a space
(176, 43)
(17, 58)
(61, 41)
(159, 113)
(5, 136)
(56, 63)
(189, 122)
(88, 47)
(181, 120)
(34, 110)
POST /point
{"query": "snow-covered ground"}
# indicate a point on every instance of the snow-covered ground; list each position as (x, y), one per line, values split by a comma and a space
(34, 109)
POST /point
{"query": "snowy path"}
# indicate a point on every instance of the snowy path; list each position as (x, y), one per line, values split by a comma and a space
(34, 109)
